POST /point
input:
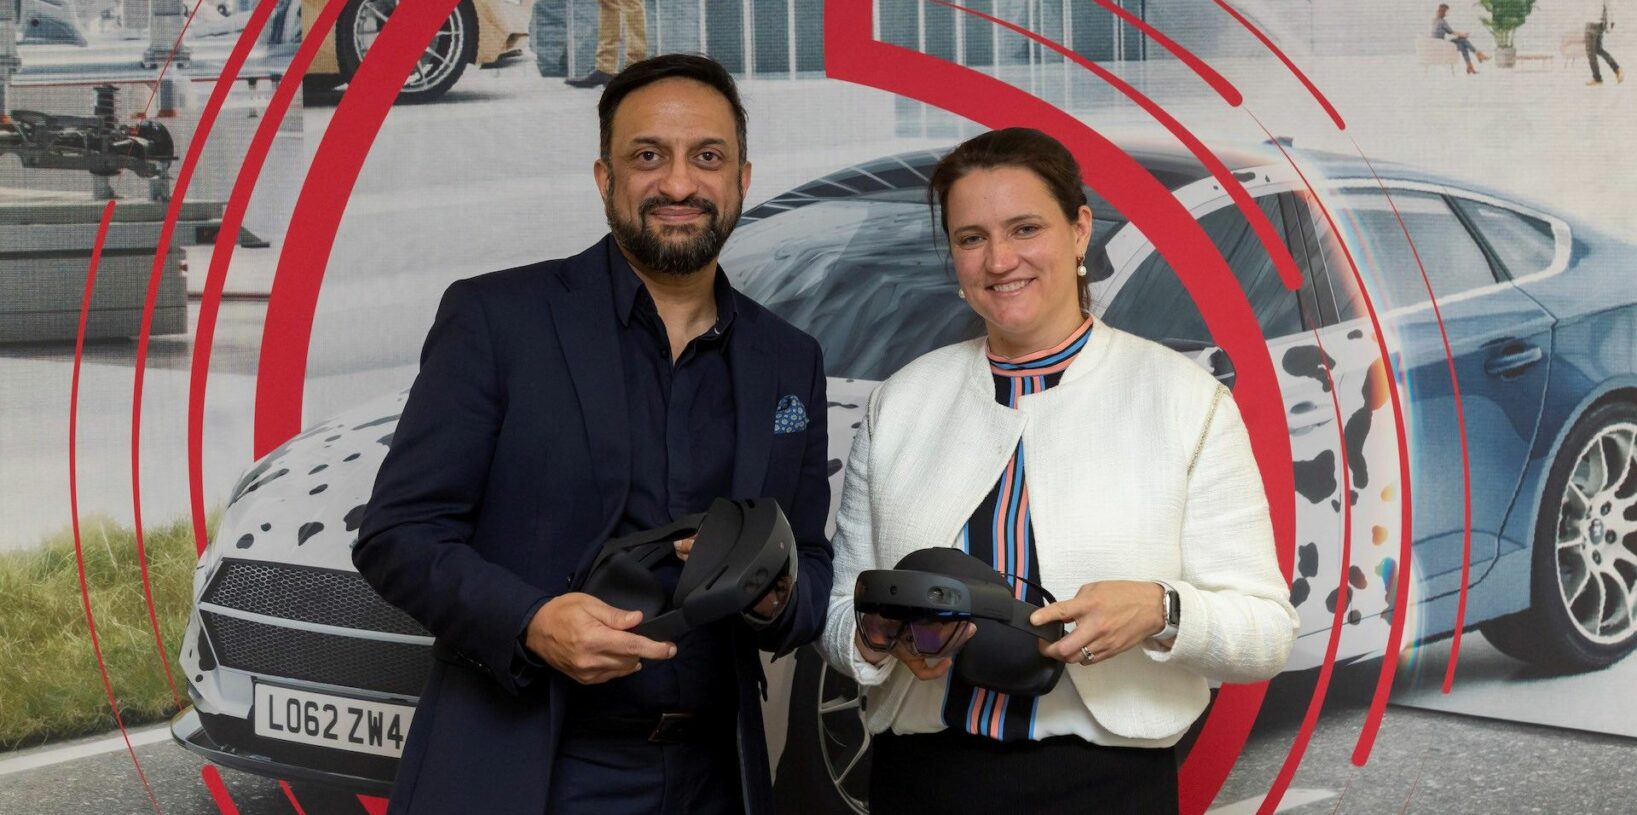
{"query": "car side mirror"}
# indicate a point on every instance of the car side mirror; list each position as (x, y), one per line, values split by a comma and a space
(1221, 367)
(1208, 356)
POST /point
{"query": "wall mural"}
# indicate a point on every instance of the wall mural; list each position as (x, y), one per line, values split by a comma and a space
(1402, 238)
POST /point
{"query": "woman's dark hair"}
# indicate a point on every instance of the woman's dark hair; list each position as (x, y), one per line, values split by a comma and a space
(1022, 147)
(696, 67)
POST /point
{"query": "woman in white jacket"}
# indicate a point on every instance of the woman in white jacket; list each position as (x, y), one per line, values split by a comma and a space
(1108, 469)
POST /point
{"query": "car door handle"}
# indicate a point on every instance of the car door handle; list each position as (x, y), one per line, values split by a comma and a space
(1516, 357)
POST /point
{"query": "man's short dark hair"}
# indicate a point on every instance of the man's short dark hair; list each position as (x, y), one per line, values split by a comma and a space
(696, 67)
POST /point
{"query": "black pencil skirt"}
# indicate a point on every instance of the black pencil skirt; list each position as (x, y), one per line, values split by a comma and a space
(952, 772)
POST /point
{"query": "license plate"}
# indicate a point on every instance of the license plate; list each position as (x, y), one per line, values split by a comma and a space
(331, 721)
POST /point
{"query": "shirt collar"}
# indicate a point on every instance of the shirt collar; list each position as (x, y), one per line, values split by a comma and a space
(627, 285)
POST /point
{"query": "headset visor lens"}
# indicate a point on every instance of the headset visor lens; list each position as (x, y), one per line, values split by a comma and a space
(927, 634)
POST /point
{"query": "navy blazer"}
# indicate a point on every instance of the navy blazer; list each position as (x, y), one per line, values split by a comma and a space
(509, 466)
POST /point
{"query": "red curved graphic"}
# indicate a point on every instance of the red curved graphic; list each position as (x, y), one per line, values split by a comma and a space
(1401, 590)
(218, 790)
(1277, 251)
(1321, 688)
(851, 54)
(153, 94)
(282, 371)
(226, 241)
(290, 795)
(1460, 426)
(74, 490)
(1315, 704)
(1307, 83)
(173, 211)
(1218, 82)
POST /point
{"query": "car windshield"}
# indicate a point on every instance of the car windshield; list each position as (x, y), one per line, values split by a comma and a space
(869, 277)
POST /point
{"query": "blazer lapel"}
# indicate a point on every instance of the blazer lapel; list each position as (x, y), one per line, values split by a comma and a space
(583, 314)
(755, 396)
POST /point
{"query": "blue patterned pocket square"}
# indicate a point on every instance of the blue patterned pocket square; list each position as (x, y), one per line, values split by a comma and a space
(790, 417)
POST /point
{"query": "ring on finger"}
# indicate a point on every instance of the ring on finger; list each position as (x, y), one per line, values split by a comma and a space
(1086, 656)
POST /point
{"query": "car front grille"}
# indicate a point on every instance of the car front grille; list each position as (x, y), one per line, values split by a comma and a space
(274, 650)
(306, 594)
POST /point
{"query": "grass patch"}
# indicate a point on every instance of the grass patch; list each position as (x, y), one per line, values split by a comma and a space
(49, 684)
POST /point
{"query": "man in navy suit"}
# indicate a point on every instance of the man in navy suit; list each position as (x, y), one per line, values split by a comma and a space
(571, 400)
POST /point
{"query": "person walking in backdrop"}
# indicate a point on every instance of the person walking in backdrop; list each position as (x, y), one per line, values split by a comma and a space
(614, 16)
(1599, 22)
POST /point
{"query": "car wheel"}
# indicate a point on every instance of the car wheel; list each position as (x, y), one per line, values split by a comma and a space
(1583, 596)
(825, 768)
(440, 65)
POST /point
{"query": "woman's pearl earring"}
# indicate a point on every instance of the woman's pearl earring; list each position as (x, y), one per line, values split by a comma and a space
(1082, 263)
(961, 293)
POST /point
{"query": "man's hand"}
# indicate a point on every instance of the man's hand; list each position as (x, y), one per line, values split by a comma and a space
(922, 667)
(589, 640)
(1109, 616)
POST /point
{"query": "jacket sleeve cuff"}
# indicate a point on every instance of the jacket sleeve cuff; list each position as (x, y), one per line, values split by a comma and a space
(525, 665)
(1191, 628)
(868, 675)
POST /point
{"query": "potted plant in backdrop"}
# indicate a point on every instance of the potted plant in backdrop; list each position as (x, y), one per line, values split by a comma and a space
(1504, 19)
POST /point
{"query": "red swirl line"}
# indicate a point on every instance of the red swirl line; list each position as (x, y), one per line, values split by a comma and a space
(218, 790)
(74, 491)
(1277, 251)
(227, 240)
(1307, 83)
(291, 796)
(1218, 82)
(287, 330)
(173, 211)
(184, 177)
(1310, 719)
(1401, 594)
(1460, 425)
(170, 56)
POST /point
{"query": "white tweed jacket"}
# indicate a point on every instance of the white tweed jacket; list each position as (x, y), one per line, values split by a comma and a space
(1139, 468)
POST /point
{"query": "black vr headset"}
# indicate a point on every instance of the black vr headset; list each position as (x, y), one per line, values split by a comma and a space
(742, 550)
(938, 586)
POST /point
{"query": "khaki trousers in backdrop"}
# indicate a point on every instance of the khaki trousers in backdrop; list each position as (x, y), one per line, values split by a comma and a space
(612, 15)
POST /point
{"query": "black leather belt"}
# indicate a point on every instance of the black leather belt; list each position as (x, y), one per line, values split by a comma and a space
(659, 728)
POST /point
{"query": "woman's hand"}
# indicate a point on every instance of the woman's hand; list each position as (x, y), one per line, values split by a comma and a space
(922, 667)
(1109, 616)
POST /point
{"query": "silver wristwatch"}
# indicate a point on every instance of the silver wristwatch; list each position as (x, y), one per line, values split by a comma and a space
(1171, 607)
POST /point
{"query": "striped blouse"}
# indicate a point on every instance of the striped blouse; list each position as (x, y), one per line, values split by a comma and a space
(1001, 534)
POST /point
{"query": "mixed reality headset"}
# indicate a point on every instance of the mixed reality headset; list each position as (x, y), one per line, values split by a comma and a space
(743, 549)
(932, 593)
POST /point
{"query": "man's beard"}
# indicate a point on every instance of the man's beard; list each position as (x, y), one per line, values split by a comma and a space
(669, 257)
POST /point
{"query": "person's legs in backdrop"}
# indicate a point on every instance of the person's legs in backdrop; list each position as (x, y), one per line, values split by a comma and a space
(635, 19)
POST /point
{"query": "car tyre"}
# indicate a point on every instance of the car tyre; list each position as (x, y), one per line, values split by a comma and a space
(1584, 571)
(826, 736)
(440, 67)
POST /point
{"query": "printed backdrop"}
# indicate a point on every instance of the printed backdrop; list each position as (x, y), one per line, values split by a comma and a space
(226, 228)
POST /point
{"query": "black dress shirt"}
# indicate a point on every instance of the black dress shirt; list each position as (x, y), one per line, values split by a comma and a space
(681, 416)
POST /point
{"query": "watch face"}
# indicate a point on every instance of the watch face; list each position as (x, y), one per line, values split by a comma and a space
(1173, 607)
